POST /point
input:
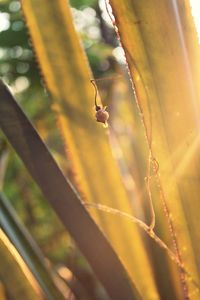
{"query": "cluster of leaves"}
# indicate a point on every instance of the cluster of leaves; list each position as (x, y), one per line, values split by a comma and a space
(150, 174)
(19, 68)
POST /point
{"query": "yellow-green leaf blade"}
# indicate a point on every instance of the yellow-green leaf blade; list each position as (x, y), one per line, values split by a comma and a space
(63, 198)
(16, 276)
(67, 76)
(161, 47)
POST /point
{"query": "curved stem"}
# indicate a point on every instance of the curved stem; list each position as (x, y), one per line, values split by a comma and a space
(95, 88)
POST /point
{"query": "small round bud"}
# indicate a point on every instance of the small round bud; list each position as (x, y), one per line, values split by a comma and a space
(102, 115)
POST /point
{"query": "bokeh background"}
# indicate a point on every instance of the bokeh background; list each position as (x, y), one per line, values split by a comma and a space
(20, 70)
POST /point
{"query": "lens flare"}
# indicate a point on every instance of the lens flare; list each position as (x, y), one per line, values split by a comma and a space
(195, 5)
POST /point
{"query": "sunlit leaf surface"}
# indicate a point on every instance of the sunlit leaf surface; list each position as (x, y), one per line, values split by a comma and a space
(67, 76)
(13, 270)
(2, 292)
(64, 199)
(29, 251)
(162, 51)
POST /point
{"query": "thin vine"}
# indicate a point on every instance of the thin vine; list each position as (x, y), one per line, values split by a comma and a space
(151, 158)
(150, 232)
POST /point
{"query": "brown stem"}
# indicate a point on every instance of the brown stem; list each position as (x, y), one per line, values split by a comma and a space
(95, 96)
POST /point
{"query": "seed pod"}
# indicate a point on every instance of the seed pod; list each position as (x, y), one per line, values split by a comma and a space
(102, 115)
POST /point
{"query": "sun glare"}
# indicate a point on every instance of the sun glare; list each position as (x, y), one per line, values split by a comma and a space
(195, 4)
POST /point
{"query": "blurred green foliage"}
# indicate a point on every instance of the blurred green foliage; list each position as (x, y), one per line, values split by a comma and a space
(19, 68)
(80, 4)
